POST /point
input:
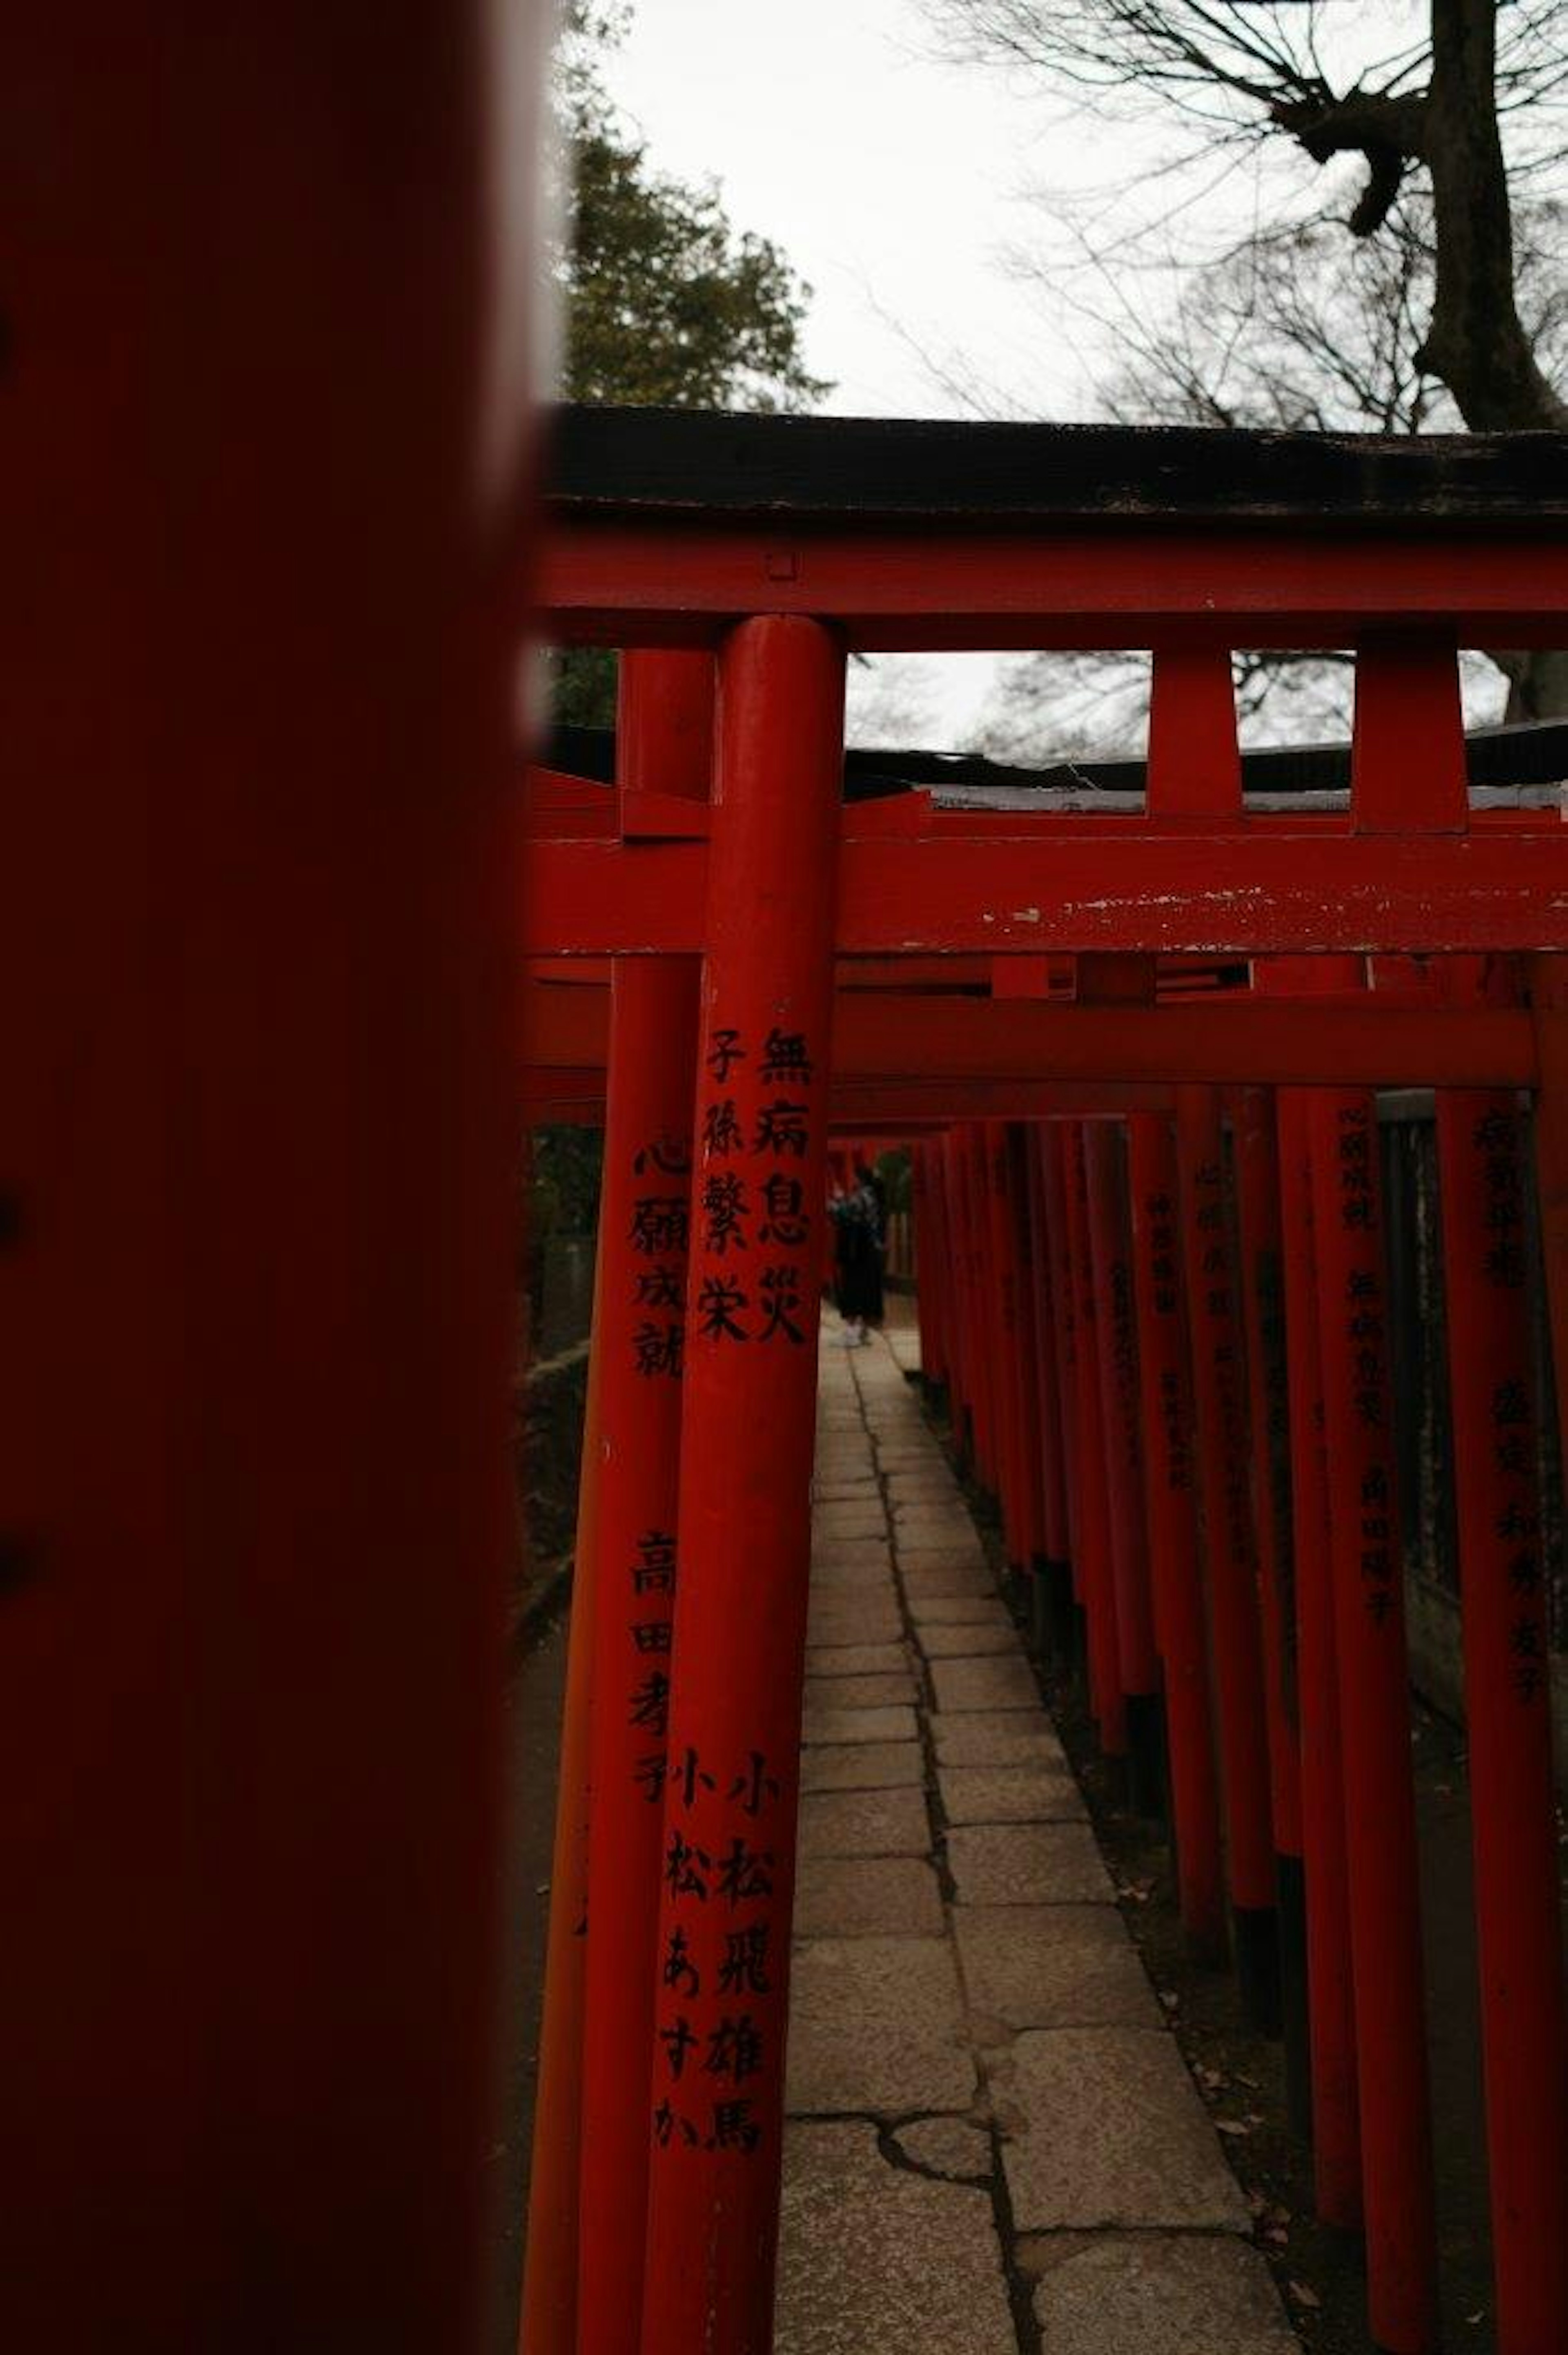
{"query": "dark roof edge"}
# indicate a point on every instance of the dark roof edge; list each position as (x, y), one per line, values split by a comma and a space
(674, 463)
(1529, 752)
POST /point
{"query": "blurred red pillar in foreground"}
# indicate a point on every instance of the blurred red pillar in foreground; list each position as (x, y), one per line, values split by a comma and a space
(265, 422)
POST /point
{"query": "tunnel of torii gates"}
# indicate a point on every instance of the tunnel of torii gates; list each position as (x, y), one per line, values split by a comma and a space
(1135, 1051)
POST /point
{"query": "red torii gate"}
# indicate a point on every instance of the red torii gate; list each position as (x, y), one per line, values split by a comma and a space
(741, 561)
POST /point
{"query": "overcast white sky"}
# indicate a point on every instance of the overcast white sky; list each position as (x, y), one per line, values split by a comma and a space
(894, 186)
(891, 182)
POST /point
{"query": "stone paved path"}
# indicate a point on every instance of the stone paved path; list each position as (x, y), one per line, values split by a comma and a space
(994, 2146)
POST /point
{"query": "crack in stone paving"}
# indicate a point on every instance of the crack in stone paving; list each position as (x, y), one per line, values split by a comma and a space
(1019, 2290)
(894, 2152)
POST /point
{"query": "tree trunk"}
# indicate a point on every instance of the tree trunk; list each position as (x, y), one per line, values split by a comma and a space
(1477, 343)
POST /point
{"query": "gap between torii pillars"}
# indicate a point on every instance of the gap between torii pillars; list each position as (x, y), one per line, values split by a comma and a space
(713, 2096)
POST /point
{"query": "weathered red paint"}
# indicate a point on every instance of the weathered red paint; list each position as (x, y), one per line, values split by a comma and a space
(1279, 886)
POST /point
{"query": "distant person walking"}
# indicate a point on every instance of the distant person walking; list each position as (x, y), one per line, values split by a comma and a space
(859, 1243)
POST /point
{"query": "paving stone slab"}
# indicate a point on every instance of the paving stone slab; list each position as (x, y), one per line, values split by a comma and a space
(876, 2261)
(1027, 1864)
(860, 1692)
(863, 1766)
(973, 1640)
(1029, 1791)
(1161, 2294)
(986, 1610)
(854, 1606)
(940, 1519)
(840, 1621)
(920, 1547)
(865, 1823)
(855, 1660)
(1051, 1966)
(934, 1575)
(825, 1724)
(877, 2024)
(1004, 1683)
(1102, 2127)
(831, 1521)
(871, 1546)
(1012, 1739)
(863, 1577)
(920, 1537)
(868, 1897)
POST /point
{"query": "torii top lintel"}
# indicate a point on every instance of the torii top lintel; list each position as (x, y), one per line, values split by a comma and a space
(666, 525)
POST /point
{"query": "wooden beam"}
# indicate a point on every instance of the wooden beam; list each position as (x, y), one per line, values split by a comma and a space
(1226, 1040)
(618, 583)
(1264, 888)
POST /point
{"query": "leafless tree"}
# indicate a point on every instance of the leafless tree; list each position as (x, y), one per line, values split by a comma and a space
(1287, 331)
(1460, 97)
(1428, 293)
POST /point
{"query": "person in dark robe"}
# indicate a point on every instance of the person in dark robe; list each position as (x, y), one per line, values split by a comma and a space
(859, 1243)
